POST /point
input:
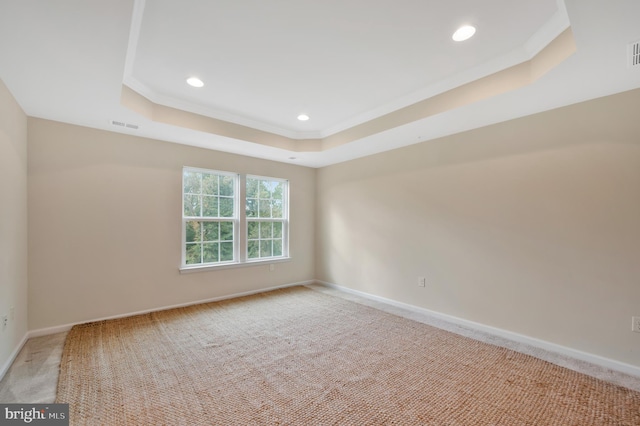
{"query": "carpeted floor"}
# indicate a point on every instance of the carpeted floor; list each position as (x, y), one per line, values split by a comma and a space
(300, 357)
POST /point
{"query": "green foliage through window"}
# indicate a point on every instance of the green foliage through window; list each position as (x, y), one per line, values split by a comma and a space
(208, 194)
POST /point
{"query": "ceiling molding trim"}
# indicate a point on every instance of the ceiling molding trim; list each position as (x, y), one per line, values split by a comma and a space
(170, 102)
(134, 36)
(547, 33)
(503, 81)
(555, 26)
(491, 85)
(157, 98)
(176, 117)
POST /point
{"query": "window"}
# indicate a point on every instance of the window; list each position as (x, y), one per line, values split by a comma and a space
(210, 216)
(229, 218)
(266, 216)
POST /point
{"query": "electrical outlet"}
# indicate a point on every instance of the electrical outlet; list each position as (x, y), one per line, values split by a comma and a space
(422, 281)
(5, 320)
(635, 324)
(12, 313)
(272, 267)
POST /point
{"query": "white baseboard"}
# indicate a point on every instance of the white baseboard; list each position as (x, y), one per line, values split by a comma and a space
(12, 357)
(553, 348)
(66, 327)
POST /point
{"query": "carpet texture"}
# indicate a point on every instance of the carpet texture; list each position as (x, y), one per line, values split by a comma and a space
(300, 357)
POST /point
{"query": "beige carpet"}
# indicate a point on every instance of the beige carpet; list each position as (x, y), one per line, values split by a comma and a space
(300, 357)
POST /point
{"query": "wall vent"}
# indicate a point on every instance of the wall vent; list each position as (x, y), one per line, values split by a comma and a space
(634, 54)
(122, 124)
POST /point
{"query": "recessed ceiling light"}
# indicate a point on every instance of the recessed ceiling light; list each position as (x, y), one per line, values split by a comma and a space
(303, 117)
(195, 82)
(464, 33)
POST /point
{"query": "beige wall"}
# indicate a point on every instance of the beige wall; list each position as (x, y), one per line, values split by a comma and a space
(105, 225)
(531, 226)
(13, 224)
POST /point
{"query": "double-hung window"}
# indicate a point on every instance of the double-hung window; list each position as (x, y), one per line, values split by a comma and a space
(210, 217)
(266, 217)
(229, 218)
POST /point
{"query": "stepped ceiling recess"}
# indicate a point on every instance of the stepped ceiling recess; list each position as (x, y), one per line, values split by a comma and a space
(370, 76)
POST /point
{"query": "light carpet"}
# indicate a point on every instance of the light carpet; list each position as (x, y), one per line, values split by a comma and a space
(300, 357)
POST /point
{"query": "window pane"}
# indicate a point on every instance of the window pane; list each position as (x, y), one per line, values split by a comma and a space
(192, 231)
(252, 230)
(226, 207)
(252, 188)
(193, 254)
(265, 248)
(252, 207)
(277, 247)
(210, 231)
(226, 231)
(278, 191)
(265, 208)
(209, 206)
(276, 208)
(265, 230)
(226, 185)
(209, 184)
(226, 251)
(191, 182)
(264, 189)
(210, 252)
(277, 230)
(253, 249)
(191, 205)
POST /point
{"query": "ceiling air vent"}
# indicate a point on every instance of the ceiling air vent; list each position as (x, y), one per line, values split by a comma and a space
(127, 125)
(634, 54)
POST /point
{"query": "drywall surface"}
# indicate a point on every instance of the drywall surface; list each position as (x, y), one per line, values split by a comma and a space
(531, 226)
(13, 225)
(105, 225)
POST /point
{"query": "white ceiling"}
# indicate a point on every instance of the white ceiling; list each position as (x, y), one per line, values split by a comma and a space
(344, 63)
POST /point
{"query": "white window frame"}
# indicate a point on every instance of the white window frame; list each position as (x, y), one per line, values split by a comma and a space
(235, 219)
(240, 224)
(284, 220)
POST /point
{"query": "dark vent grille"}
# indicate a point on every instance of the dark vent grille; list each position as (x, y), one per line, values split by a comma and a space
(634, 54)
(127, 125)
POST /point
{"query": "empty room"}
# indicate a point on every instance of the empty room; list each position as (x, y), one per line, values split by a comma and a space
(320, 213)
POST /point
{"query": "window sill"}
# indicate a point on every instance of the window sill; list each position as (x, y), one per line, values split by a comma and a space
(205, 268)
